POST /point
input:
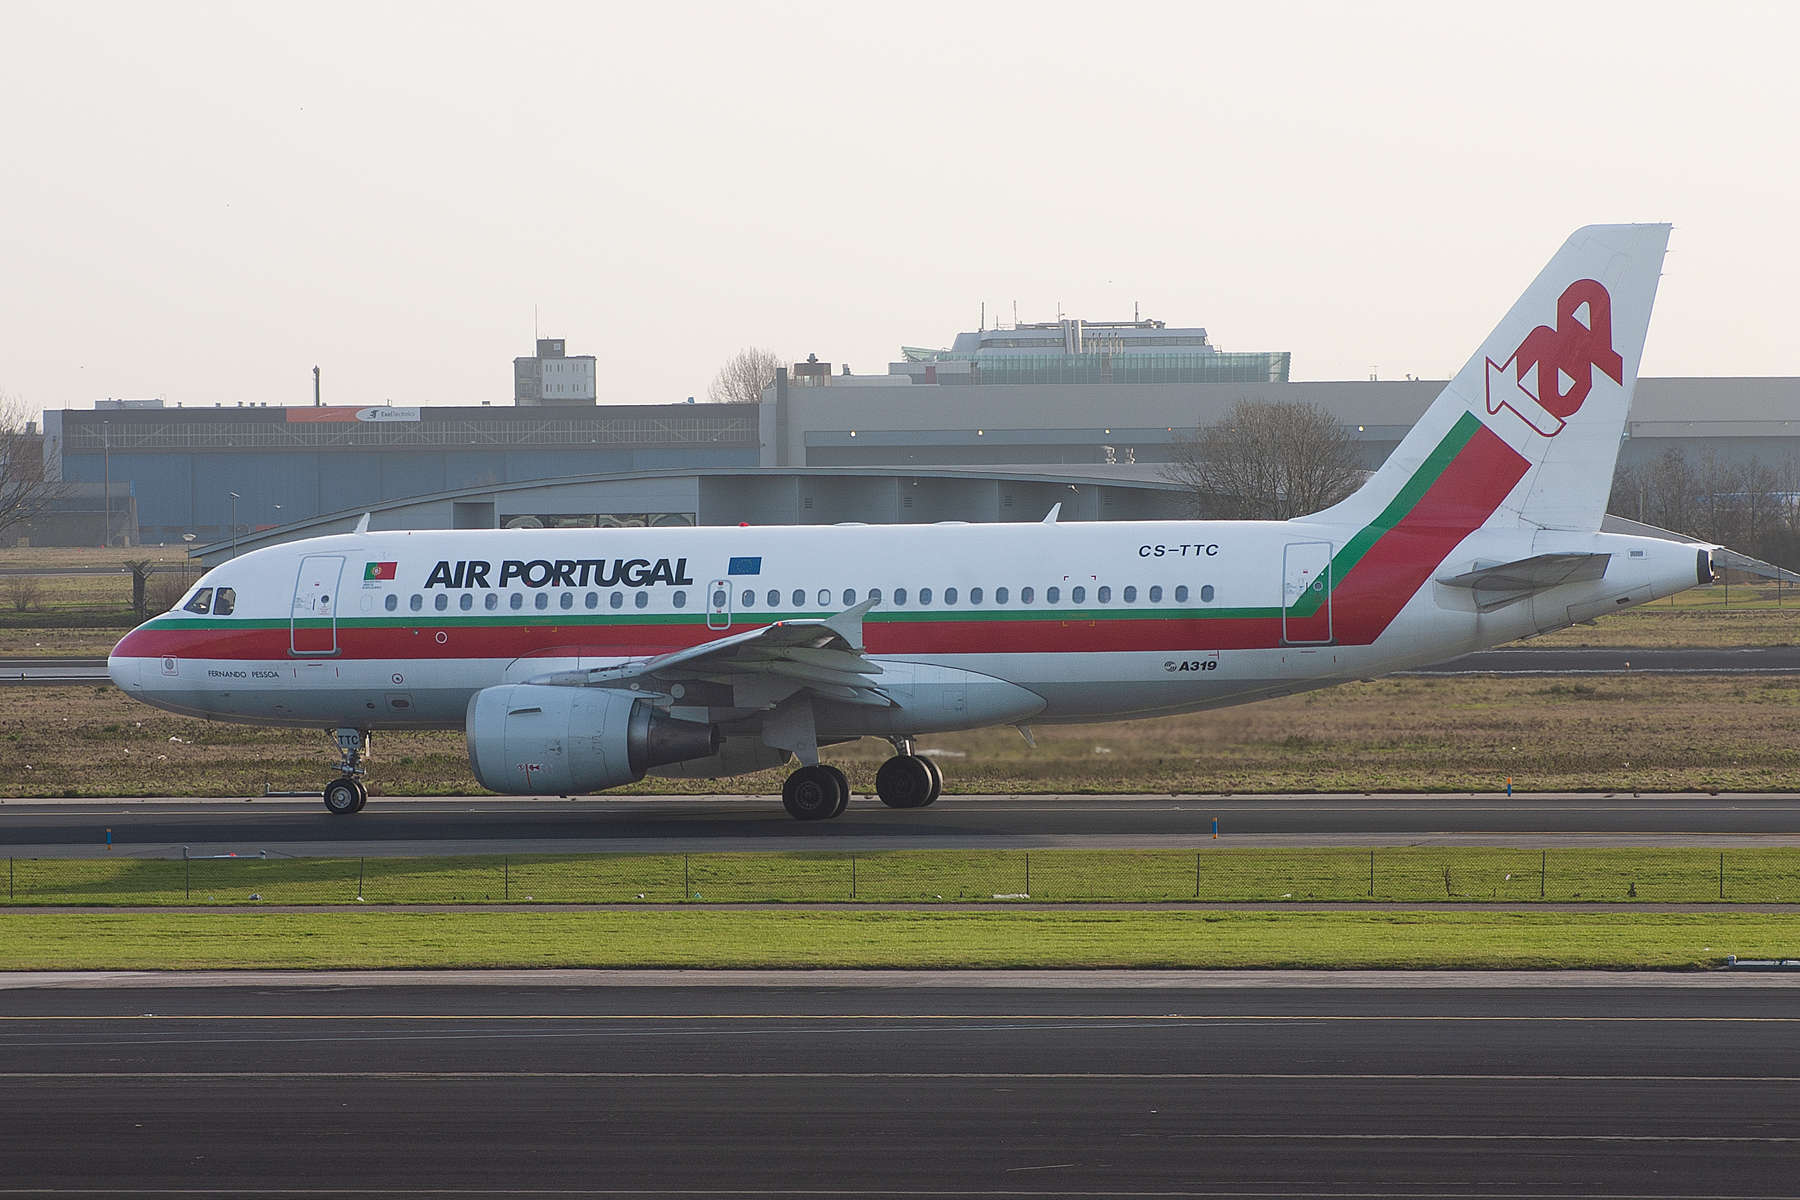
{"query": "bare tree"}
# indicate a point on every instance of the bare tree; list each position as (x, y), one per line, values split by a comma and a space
(744, 377)
(26, 487)
(1266, 462)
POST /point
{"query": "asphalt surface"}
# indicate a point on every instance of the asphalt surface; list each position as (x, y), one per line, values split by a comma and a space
(52, 672)
(1233, 1086)
(698, 824)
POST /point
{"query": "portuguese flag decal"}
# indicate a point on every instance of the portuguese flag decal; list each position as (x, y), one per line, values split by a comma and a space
(380, 570)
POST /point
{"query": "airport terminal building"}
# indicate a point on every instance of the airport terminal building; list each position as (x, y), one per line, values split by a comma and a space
(997, 427)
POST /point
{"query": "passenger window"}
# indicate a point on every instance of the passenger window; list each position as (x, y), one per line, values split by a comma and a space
(518, 601)
(617, 600)
(643, 600)
(924, 595)
(1206, 593)
(1000, 595)
(899, 596)
(1052, 595)
(875, 595)
(224, 600)
(1131, 595)
(466, 601)
(1181, 594)
(949, 595)
(393, 602)
(1026, 595)
(849, 597)
(1103, 595)
(774, 598)
(568, 599)
(974, 595)
(749, 598)
(592, 599)
(799, 598)
(440, 601)
(679, 599)
(541, 601)
(491, 601)
(1156, 594)
(1077, 595)
(824, 598)
(417, 603)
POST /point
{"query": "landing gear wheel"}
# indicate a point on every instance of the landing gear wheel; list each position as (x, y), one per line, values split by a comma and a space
(937, 783)
(905, 781)
(362, 796)
(344, 796)
(814, 794)
(843, 785)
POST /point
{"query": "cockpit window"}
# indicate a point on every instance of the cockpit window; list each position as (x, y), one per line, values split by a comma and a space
(201, 603)
(224, 600)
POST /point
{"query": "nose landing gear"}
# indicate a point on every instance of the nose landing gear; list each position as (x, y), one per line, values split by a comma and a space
(348, 795)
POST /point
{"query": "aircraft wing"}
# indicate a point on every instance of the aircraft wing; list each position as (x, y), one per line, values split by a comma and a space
(1505, 583)
(763, 666)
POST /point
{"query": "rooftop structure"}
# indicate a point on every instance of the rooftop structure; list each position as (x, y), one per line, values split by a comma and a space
(551, 377)
(1074, 351)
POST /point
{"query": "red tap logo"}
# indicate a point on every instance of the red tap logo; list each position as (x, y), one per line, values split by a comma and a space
(1534, 388)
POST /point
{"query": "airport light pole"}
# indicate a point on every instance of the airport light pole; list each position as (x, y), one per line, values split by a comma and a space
(106, 443)
(234, 499)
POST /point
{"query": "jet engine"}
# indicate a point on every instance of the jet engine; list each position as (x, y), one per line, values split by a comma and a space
(527, 737)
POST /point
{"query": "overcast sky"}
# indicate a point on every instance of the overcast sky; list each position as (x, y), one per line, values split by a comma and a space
(202, 201)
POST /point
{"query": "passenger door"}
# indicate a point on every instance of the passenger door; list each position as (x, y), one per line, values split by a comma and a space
(718, 604)
(313, 629)
(1306, 594)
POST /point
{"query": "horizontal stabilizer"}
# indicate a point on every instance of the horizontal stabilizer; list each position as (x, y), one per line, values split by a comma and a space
(1752, 566)
(1497, 586)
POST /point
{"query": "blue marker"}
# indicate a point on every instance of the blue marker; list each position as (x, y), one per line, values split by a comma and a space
(109, 839)
(1215, 829)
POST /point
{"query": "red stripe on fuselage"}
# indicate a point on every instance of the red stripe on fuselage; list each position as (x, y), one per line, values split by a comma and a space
(1398, 564)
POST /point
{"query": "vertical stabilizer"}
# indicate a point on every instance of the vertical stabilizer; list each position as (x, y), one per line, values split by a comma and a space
(1528, 432)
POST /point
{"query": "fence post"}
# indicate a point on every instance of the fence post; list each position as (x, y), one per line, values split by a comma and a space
(1196, 874)
(1721, 874)
(1371, 873)
(9, 877)
(187, 876)
(687, 888)
(506, 877)
(1543, 870)
(1028, 873)
(853, 876)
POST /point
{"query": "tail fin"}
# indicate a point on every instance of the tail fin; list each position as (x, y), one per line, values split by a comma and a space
(1528, 432)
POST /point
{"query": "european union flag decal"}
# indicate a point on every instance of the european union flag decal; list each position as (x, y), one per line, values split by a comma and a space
(745, 566)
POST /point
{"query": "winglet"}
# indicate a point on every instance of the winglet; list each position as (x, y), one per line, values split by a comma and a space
(848, 624)
(362, 526)
(1050, 517)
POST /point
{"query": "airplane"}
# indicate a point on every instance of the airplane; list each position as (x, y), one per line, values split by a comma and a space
(578, 660)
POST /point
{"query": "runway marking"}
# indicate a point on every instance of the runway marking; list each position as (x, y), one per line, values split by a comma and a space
(1099, 1076)
(984, 1019)
(1385, 1194)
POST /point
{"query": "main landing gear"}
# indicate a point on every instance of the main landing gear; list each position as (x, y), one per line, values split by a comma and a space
(822, 792)
(347, 795)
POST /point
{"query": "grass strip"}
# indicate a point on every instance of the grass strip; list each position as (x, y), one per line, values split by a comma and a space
(1403, 874)
(1001, 939)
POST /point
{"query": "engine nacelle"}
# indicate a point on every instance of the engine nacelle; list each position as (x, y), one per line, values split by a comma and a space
(574, 740)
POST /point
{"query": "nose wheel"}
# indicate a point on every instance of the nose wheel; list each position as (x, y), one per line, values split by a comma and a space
(347, 795)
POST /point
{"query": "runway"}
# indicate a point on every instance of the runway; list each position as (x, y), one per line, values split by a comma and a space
(700, 824)
(1175, 1085)
(1754, 660)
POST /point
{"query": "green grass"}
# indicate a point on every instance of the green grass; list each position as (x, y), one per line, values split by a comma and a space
(999, 939)
(1406, 874)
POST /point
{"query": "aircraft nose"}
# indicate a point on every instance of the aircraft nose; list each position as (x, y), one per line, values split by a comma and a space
(125, 665)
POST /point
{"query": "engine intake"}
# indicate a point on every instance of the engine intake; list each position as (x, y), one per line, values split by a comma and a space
(527, 737)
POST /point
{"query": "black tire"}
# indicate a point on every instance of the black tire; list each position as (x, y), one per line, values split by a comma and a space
(362, 796)
(813, 794)
(905, 782)
(843, 783)
(937, 783)
(343, 797)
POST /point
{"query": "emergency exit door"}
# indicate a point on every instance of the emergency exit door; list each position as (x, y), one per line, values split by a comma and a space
(1306, 594)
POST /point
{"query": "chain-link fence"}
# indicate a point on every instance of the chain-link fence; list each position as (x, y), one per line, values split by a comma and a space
(1407, 874)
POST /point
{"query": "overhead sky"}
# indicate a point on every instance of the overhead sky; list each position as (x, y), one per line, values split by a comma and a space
(203, 201)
